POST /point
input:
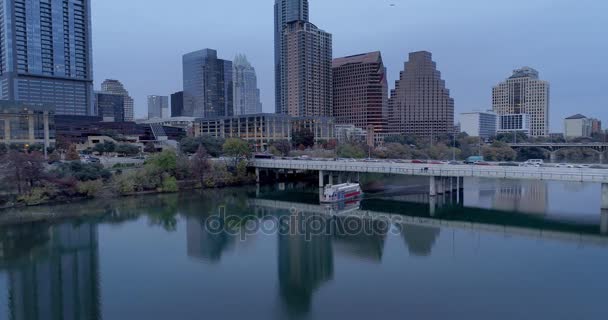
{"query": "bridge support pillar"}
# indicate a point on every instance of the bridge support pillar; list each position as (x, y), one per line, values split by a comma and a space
(601, 157)
(433, 187)
(321, 179)
(605, 196)
(331, 178)
(257, 175)
(604, 222)
(553, 156)
(432, 206)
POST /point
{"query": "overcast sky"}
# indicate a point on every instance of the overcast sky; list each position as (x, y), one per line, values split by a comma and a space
(476, 43)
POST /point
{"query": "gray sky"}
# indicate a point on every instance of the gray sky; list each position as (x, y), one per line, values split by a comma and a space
(476, 43)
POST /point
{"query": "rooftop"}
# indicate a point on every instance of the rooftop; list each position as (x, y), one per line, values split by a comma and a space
(370, 57)
(576, 116)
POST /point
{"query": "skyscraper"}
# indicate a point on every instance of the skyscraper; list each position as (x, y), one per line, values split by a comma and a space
(45, 54)
(177, 104)
(115, 87)
(110, 106)
(285, 11)
(207, 85)
(306, 78)
(158, 107)
(360, 91)
(246, 92)
(524, 93)
(420, 104)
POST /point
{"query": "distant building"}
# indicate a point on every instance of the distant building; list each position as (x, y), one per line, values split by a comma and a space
(510, 123)
(109, 106)
(246, 92)
(360, 91)
(264, 128)
(26, 123)
(478, 124)
(285, 11)
(116, 87)
(177, 104)
(596, 126)
(158, 107)
(577, 126)
(349, 132)
(46, 54)
(421, 104)
(306, 80)
(524, 93)
(208, 85)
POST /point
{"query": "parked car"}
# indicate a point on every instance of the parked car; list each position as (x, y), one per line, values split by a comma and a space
(564, 165)
(473, 159)
(481, 163)
(418, 161)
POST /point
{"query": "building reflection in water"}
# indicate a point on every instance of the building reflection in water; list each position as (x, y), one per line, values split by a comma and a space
(305, 261)
(205, 245)
(360, 238)
(419, 239)
(56, 278)
(526, 196)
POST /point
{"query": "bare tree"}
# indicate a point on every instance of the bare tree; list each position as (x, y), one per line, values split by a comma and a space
(200, 164)
(24, 169)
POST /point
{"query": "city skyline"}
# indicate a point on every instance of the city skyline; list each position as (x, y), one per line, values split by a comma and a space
(470, 69)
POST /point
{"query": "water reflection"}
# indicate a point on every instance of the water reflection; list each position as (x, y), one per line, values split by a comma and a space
(419, 239)
(203, 244)
(52, 271)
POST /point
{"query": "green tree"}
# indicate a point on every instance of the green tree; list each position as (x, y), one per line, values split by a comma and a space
(127, 149)
(165, 161)
(200, 165)
(303, 137)
(237, 149)
(349, 150)
(212, 144)
(397, 151)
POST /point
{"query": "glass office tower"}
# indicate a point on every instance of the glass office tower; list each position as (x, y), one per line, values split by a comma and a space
(45, 54)
(207, 85)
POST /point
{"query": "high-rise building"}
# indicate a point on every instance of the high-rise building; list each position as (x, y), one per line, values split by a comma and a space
(306, 78)
(246, 92)
(158, 107)
(285, 11)
(207, 85)
(577, 126)
(110, 106)
(596, 126)
(479, 124)
(360, 91)
(115, 87)
(45, 54)
(525, 93)
(177, 104)
(421, 104)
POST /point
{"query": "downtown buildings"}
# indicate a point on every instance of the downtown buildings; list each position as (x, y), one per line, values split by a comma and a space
(479, 124)
(158, 107)
(45, 54)
(208, 85)
(360, 91)
(420, 104)
(524, 93)
(246, 92)
(116, 87)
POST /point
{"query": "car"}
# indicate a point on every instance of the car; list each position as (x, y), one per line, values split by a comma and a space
(418, 161)
(582, 166)
(454, 163)
(535, 162)
(473, 159)
(481, 163)
(564, 165)
(436, 162)
(508, 164)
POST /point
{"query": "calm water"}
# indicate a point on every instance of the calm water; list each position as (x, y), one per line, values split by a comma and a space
(537, 252)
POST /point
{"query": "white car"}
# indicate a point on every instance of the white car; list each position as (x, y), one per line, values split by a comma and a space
(564, 165)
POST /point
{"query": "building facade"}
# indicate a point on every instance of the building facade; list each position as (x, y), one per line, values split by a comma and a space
(306, 75)
(479, 124)
(421, 104)
(116, 87)
(512, 123)
(577, 126)
(360, 91)
(285, 11)
(208, 85)
(45, 54)
(177, 104)
(524, 92)
(158, 107)
(110, 107)
(26, 123)
(596, 126)
(246, 92)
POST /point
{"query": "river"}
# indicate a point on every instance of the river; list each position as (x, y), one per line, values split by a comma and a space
(511, 249)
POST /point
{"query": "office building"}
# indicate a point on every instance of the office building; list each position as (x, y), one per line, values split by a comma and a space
(577, 126)
(24, 123)
(512, 123)
(421, 104)
(306, 80)
(177, 104)
(246, 92)
(596, 126)
(360, 91)
(285, 11)
(208, 85)
(158, 107)
(346, 133)
(116, 87)
(45, 54)
(110, 107)
(479, 124)
(524, 92)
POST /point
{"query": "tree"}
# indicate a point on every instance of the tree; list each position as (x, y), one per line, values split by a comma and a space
(212, 144)
(127, 149)
(519, 137)
(237, 149)
(303, 137)
(282, 146)
(25, 169)
(149, 147)
(72, 153)
(349, 150)
(54, 157)
(200, 164)
(165, 161)
(3, 149)
(397, 151)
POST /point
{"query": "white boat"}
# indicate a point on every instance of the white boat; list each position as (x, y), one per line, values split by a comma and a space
(341, 192)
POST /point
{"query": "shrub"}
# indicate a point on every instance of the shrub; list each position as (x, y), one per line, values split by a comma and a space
(90, 189)
(169, 184)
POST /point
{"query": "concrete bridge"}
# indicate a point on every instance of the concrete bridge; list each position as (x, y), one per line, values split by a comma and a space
(599, 147)
(443, 178)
